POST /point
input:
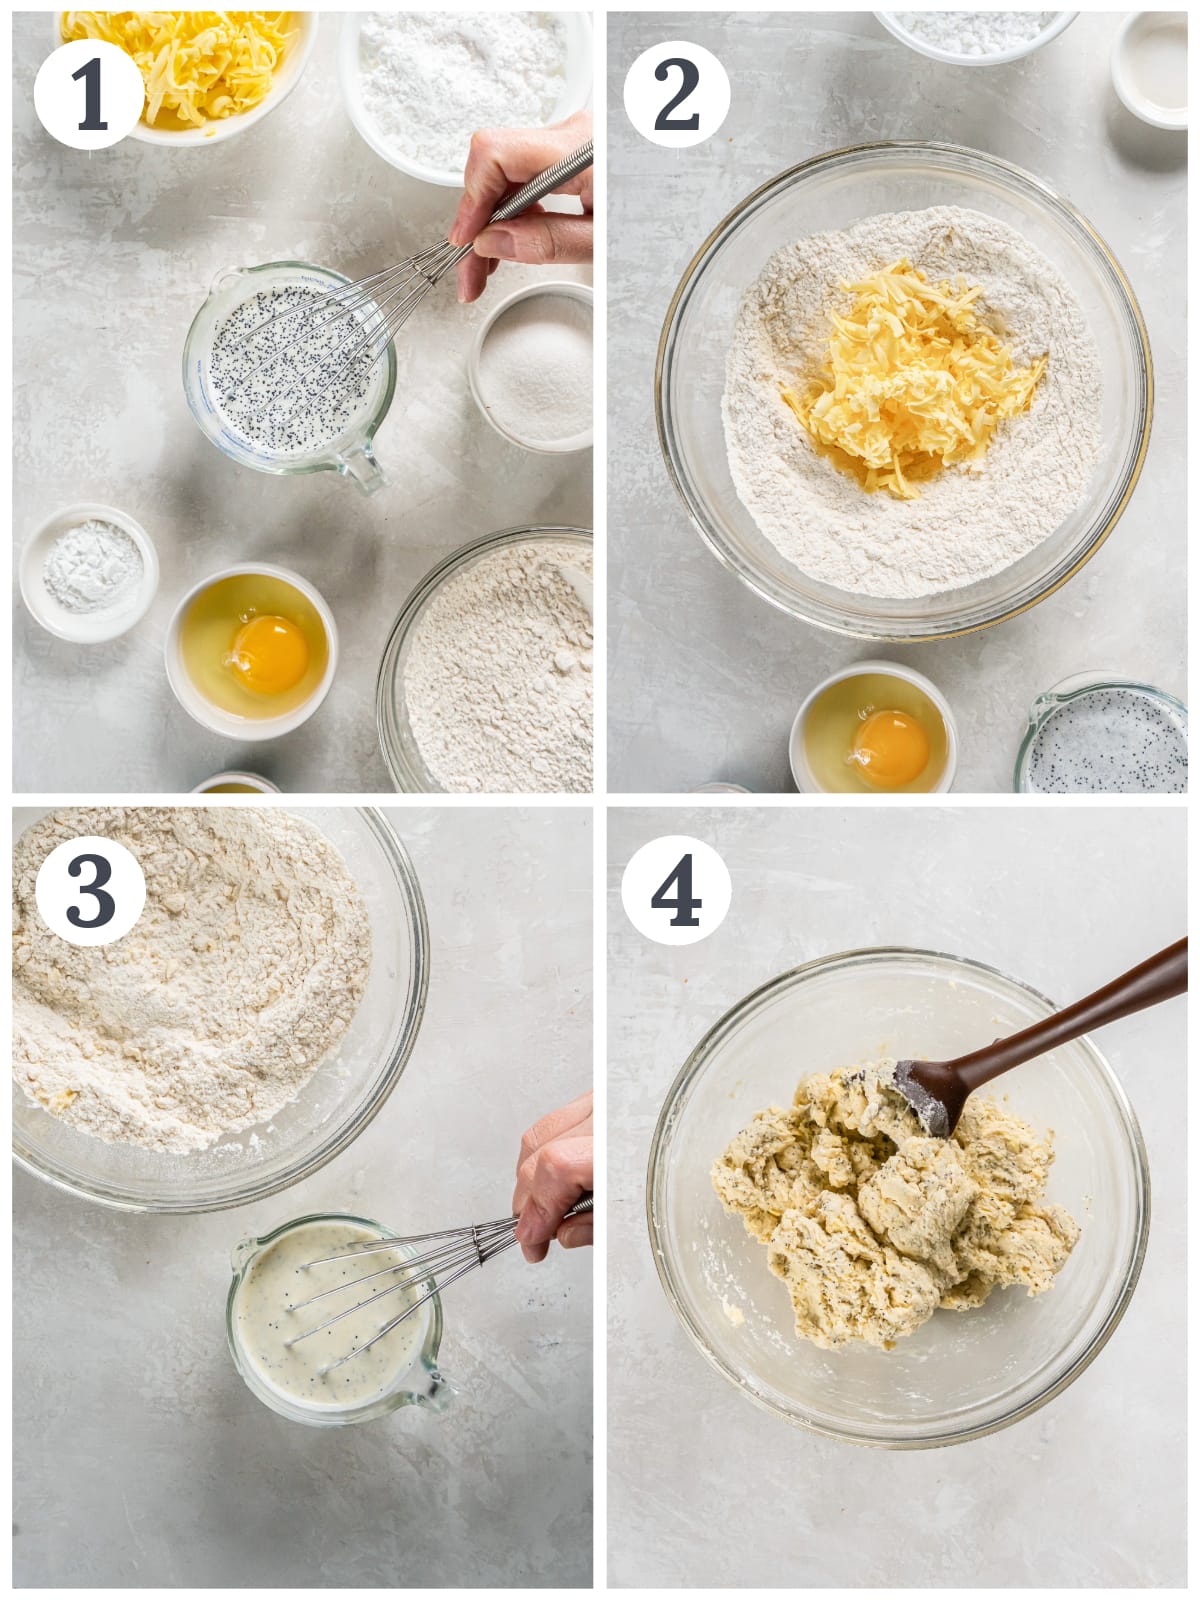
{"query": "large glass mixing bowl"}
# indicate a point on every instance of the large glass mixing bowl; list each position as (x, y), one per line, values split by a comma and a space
(409, 771)
(829, 193)
(347, 1090)
(963, 1374)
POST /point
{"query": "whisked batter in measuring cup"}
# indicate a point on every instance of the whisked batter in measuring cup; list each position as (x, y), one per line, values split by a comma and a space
(291, 387)
(264, 1326)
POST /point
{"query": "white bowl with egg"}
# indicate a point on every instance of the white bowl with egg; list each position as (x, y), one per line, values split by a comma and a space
(575, 94)
(216, 132)
(86, 627)
(1149, 68)
(807, 781)
(1059, 22)
(560, 296)
(214, 717)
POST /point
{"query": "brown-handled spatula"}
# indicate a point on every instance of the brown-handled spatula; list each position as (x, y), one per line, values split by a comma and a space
(938, 1090)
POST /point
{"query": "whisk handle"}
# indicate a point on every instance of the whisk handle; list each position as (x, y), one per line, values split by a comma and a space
(582, 1206)
(527, 195)
(547, 182)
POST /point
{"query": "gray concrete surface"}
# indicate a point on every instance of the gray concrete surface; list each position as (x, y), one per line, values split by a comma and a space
(142, 1461)
(704, 677)
(113, 256)
(706, 1490)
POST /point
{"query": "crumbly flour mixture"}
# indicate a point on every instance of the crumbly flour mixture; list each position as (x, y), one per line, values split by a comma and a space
(970, 521)
(873, 1225)
(431, 78)
(498, 681)
(243, 972)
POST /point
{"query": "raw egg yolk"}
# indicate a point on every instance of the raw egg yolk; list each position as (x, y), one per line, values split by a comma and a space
(270, 655)
(891, 749)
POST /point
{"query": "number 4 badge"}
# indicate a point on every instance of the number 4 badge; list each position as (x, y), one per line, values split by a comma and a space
(677, 94)
(676, 890)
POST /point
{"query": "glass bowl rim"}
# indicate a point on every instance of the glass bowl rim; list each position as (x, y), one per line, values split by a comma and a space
(349, 1127)
(1014, 176)
(398, 769)
(696, 1059)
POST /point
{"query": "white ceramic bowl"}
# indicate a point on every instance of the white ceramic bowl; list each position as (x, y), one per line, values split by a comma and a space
(248, 729)
(286, 79)
(1059, 23)
(250, 779)
(1134, 31)
(576, 93)
(548, 447)
(92, 627)
(802, 772)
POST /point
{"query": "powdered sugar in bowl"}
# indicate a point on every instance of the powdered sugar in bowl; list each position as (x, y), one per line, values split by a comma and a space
(241, 376)
(833, 192)
(530, 368)
(418, 84)
(976, 38)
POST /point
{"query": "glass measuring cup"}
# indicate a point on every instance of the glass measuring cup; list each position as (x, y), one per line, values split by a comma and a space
(350, 452)
(418, 1384)
(1078, 687)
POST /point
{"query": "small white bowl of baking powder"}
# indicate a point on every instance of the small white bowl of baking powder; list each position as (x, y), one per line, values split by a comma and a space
(530, 368)
(418, 84)
(976, 38)
(89, 574)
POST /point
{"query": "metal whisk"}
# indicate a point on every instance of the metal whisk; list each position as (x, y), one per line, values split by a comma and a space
(374, 309)
(458, 1251)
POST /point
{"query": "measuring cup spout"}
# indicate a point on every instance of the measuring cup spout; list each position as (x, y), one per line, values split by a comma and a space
(360, 465)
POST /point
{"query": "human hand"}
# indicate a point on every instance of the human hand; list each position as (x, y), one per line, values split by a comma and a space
(553, 1170)
(500, 161)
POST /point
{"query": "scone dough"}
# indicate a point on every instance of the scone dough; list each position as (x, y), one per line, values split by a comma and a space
(873, 1225)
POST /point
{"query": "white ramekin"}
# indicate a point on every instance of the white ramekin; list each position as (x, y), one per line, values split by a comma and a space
(252, 730)
(286, 79)
(89, 627)
(1061, 21)
(532, 291)
(250, 779)
(576, 94)
(802, 772)
(1172, 118)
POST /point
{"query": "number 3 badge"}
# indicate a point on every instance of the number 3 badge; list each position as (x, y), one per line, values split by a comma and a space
(90, 891)
(677, 94)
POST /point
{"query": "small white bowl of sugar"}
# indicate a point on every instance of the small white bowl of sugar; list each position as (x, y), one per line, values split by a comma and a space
(530, 368)
(89, 574)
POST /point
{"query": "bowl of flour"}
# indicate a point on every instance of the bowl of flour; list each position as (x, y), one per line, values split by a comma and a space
(982, 541)
(486, 683)
(418, 84)
(244, 1032)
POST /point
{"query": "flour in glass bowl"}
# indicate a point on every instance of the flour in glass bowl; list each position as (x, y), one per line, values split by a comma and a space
(970, 521)
(430, 79)
(242, 974)
(498, 677)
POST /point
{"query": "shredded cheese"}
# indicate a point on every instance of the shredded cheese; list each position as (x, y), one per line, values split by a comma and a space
(915, 382)
(199, 67)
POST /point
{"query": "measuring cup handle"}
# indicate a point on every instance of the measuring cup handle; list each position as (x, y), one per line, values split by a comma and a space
(440, 1395)
(361, 465)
